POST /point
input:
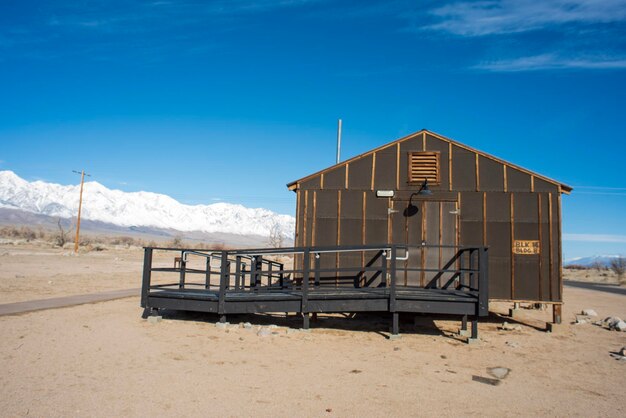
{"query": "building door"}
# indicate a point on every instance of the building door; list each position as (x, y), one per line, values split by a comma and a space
(420, 224)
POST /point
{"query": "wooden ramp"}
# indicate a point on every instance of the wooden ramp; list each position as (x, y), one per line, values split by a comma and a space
(252, 281)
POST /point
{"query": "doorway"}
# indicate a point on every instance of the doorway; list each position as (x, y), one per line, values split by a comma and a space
(419, 224)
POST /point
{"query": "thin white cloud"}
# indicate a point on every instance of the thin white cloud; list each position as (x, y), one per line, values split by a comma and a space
(552, 62)
(142, 17)
(595, 238)
(479, 18)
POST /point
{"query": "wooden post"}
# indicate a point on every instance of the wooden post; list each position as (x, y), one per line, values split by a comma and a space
(207, 279)
(258, 276)
(147, 272)
(474, 328)
(556, 313)
(224, 278)
(392, 291)
(238, 273)
(317, 270)
(183, 269)
(306, 271)
(395, 326)
(383, 268)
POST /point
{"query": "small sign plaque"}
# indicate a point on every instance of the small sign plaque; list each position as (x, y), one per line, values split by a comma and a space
(526, 247)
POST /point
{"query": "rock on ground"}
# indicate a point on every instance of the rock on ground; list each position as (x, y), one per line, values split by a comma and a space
(510, 327)
(612, 323)
(264, 332)
(589, 312)
(499, 372)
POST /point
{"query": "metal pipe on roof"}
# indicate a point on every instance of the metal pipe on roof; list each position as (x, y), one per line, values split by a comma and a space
(338, 141)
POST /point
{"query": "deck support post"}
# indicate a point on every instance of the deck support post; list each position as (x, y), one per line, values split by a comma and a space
(474, 328)
(237, 272)
(224, 278)
(395, 323)
(258, 276)
(464, 323)
(556, 314)
(149, 312)
(306, 271)
(383, 268)
(147, 277)
(183, 269)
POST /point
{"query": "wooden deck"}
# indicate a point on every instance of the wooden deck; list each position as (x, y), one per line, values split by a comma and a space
(240, 291)
(436, 301)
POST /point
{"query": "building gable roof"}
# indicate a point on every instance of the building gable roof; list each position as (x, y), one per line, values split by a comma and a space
(563, 187)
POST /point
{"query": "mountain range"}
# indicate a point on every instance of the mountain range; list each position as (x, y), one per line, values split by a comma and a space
(135, 211)
(601, 260)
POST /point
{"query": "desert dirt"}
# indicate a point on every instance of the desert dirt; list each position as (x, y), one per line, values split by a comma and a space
(103, 360)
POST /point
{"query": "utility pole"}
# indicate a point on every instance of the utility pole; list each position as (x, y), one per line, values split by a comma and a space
(80, 205)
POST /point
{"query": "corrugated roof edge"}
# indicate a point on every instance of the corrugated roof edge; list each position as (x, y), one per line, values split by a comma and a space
(564, 187)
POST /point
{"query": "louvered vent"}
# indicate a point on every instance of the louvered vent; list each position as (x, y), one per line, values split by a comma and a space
(424, 166)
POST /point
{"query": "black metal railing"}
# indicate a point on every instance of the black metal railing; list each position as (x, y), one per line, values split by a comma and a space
(316, 269)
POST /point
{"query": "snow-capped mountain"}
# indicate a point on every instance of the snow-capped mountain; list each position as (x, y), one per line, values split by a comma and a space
(602, 260)
(139, 209)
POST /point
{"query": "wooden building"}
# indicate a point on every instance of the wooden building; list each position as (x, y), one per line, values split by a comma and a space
(477, 199)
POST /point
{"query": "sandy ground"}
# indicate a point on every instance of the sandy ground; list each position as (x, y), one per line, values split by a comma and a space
(36, 272)
(103, 360)
(591, 275)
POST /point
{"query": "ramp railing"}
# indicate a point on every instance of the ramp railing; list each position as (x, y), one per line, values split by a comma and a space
(366, 268)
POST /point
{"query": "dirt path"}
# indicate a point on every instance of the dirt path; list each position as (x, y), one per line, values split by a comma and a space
(600, 287)
(63, 302)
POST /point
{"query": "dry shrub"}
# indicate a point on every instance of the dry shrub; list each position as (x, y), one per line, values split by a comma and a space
(61, 237)
(123, 240)
(177, 241)
(23, 232)
(576, 267)
(618, 265)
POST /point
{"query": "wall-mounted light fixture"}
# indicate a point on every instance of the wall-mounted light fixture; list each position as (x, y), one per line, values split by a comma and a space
(385, 193)
(411, 209)
(424, 190)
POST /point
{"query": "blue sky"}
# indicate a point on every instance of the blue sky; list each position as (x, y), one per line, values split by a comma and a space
(209, 101)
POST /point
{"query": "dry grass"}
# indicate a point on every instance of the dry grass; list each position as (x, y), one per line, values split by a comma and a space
(24, 234)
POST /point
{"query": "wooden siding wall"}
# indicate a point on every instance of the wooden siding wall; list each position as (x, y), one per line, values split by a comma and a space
(498, 205)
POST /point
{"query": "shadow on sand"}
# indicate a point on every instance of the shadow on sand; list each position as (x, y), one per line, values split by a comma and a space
(378, 323)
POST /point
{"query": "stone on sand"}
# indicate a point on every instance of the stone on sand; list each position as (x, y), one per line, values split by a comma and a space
(589, 312)
(499, 372)
(510, 327)
(264, 332)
